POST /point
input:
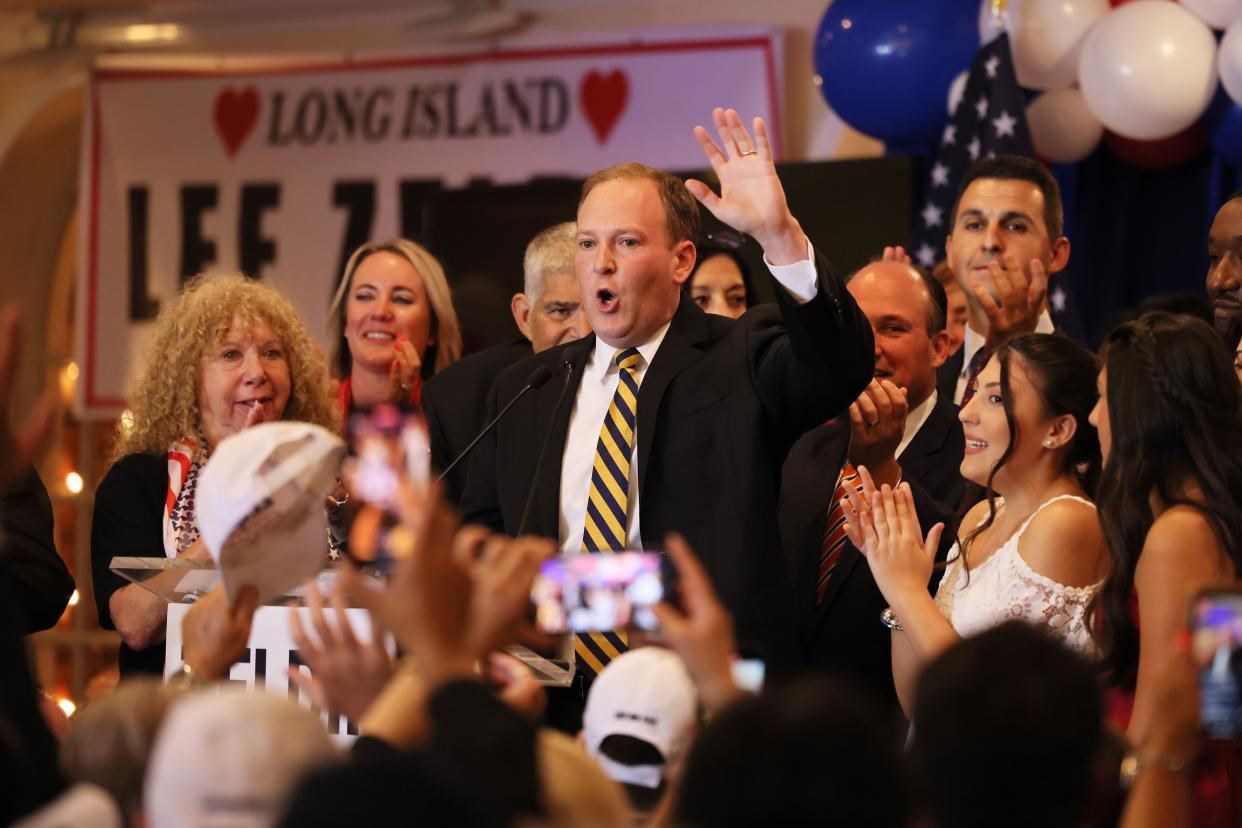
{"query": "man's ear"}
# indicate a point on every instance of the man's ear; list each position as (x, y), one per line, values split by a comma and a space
(685, 256)
(520, 306)
(939, 348)
(1060, 255)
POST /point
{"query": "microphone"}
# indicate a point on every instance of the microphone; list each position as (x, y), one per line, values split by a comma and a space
(543, 450)
(536, 380)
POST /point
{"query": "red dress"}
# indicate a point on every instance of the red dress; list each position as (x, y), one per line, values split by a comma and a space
(1216, 778)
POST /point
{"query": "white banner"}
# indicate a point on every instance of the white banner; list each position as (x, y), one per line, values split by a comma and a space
(271, 171)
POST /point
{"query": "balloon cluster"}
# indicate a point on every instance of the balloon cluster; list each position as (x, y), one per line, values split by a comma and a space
(1139, 74)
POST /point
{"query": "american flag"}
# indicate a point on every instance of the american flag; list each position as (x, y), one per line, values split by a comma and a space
(989, 120)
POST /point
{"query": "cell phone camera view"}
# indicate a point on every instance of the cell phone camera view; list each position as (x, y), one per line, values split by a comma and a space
(1216, 620)
(598, 592)
(386, 445)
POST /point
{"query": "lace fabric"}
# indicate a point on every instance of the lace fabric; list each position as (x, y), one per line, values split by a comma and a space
(1005, 588)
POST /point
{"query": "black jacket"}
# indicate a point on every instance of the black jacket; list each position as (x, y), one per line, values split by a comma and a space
(454, 402)
(43, 583)
(718, 409)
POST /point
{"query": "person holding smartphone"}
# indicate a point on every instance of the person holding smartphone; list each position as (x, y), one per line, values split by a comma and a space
(1170, 503)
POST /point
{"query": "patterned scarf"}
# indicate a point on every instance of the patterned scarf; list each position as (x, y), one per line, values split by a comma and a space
(180, 523)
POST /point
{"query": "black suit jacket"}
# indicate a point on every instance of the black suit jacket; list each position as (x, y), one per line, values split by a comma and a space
(842, 635)
(947, 375)
(454, 402)
(718, 409)
(934, 457)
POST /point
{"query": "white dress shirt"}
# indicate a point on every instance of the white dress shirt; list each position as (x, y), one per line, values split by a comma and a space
(595, 392)
(914, 421)
(974, 341)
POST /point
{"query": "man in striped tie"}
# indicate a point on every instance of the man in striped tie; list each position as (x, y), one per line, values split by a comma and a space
(668, 419)
(899, 428)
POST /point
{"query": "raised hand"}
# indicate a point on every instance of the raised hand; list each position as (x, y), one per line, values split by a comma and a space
(21, 445)
(403, 372)
(1018, 300)
(502, 572)
(426, 602)
(346, 675)
(516, 685)
(751, 198)
(900, 558)
(214, 635)
(878, 422)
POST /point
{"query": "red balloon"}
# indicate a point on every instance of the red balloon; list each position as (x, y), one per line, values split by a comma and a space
(1164, 154)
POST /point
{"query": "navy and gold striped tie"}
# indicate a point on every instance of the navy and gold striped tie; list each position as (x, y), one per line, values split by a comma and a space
(605, 528)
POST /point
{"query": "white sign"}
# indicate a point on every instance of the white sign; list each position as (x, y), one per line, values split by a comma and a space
(273, 171)
(269, 652)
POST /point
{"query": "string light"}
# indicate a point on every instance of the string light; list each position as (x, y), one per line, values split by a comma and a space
(73, 482)
(74, 598)
(67, 707)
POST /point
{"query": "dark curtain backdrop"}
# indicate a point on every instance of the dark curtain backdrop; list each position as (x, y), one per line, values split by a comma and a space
(1137, 233)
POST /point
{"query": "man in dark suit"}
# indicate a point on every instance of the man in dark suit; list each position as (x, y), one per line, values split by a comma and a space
(1005, 241)
(900, 428)
(719, 401)
(548, 312)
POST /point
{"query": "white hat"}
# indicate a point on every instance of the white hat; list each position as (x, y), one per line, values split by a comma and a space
(260, 506)
(646, 694)
(231, 758)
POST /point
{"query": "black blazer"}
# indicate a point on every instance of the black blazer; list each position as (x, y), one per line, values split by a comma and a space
(454, 402)
(718, 409)
(843, 635)
(934, 457)
(947, 375)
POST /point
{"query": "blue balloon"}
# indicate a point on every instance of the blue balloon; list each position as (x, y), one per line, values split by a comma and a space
(1224, 125)
(885, 65)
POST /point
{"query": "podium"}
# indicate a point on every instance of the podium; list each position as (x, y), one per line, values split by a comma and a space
(271, 651)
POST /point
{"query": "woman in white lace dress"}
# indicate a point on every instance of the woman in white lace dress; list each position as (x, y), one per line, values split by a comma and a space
(1032, 548)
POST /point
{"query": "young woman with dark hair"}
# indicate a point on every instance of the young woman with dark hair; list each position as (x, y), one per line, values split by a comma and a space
(1170, 501)
(1033, 553)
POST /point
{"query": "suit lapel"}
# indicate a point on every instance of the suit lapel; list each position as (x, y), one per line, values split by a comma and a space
(545, 512)
(677, 352)
(928, 440)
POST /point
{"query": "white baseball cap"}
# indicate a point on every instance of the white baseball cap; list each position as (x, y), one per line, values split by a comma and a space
(231, 758)
(260, 506)
(648, 695)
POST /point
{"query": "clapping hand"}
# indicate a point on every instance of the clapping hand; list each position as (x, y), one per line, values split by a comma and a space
(884, 526)
(896, 253)
(877, 423)
(1016, 300)
(751, 200)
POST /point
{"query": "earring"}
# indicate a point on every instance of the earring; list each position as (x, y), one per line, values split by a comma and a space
(1047, 444)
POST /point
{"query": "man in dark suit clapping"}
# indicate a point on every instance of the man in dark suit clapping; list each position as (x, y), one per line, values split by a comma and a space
(900, 428)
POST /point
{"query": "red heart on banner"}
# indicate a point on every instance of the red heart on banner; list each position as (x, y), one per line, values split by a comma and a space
(603, 99)
(236, 113)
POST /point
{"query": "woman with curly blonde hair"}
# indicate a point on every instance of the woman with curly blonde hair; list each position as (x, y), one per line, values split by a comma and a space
(392, 325)
(228, 353)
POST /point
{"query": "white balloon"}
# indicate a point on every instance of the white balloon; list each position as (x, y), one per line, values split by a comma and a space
(1219, 14)
(956, 90)
(1046, 37)
(1229, 62)
(1062, 126)
(1148, 69)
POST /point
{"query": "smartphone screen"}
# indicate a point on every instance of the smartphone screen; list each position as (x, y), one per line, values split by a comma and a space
(386, 445)
(1216, 621)
(598, 592)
